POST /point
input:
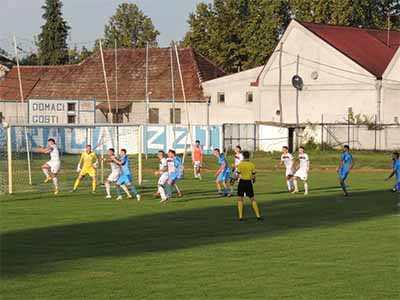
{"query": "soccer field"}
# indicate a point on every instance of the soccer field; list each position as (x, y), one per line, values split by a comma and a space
(323, 246)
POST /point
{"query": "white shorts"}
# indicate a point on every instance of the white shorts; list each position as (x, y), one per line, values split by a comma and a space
(54, 166)
(234, 174)
(163, 178)
(302, 174)
(197, 164)
(113, 177)
(289, 172)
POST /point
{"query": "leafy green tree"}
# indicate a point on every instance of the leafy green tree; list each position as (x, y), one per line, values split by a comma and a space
(200, 29)
(31, 59)
(4, 53)
(359, 13)
(268, 21)
(52, 41)
(76, 56)
(130, 27)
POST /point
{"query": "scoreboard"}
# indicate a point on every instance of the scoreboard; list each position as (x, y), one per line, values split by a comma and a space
(61, 111)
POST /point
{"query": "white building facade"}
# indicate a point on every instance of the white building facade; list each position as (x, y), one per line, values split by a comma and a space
(334, 85)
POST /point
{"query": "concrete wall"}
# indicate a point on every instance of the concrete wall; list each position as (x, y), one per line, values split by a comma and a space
(13, 112)
(197, 112)
(391, 90)
(235, 109)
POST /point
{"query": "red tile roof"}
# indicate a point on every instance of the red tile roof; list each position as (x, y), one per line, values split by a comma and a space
(366, 47)
(86, 81)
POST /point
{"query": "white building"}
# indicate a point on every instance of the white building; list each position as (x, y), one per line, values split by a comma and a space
(344, 70)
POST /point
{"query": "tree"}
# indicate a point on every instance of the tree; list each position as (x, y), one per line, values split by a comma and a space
(52, 41)
(31, 59)
(76, 56)
(200, 28)
(269, 19)
(358, 13)
(130, 28)
(4, 53)
(217, 30)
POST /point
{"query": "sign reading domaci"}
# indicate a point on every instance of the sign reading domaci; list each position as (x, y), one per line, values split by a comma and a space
(61, 111)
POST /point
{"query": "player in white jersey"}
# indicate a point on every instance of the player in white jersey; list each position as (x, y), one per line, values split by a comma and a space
(234, 175)
(52, 167)
(115, 171)
(162, 172)
(302, 171)
(287, 161)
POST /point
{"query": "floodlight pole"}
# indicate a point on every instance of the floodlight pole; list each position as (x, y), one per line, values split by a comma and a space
(116, 78)
(21, 93)
(297, 105)
(105, 82)
(186, 105)
(173, 90)
(280, 84)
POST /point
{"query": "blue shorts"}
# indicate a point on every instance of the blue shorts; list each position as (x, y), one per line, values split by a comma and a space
(124, 179)
(343, 173)
(174, 177)
(224, 176)
(398, 185)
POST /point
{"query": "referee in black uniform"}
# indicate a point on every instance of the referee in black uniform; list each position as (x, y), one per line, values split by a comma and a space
(247, 176)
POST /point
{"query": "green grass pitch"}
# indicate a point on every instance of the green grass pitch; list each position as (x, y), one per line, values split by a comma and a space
(323, 246)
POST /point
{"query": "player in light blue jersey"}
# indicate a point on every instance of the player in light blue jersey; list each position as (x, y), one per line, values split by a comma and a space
(125, 181)
(175, 173)
(223, 173)
(346, 164)
(395, 171)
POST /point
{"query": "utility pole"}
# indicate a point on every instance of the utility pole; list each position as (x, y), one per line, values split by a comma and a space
(297, 104)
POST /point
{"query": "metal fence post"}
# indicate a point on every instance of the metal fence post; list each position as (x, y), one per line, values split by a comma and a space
(322, 132)
(255, 139)
(375, 132)
(348, 130)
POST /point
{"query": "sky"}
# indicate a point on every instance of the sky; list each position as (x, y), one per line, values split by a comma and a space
(87, 19)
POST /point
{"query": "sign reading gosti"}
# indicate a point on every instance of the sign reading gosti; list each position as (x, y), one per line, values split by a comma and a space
(61, 111)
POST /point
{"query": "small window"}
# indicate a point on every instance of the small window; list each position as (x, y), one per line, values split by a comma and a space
(177, 116)
(154, 116)
(71, 106)
(71, 119)
(221, 97)
(249, 97)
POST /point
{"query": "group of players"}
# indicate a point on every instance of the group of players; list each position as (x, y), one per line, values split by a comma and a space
(171, 170)
(120, 174)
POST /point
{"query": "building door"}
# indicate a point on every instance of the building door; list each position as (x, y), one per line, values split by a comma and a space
(290, 139)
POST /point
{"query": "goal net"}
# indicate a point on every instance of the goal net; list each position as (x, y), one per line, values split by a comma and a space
(23, 171)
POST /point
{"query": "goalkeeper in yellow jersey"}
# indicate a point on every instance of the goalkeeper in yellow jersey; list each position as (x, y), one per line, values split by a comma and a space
(87, 166)
(247, 176)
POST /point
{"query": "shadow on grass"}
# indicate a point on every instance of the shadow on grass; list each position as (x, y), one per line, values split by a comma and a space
(37, 250)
